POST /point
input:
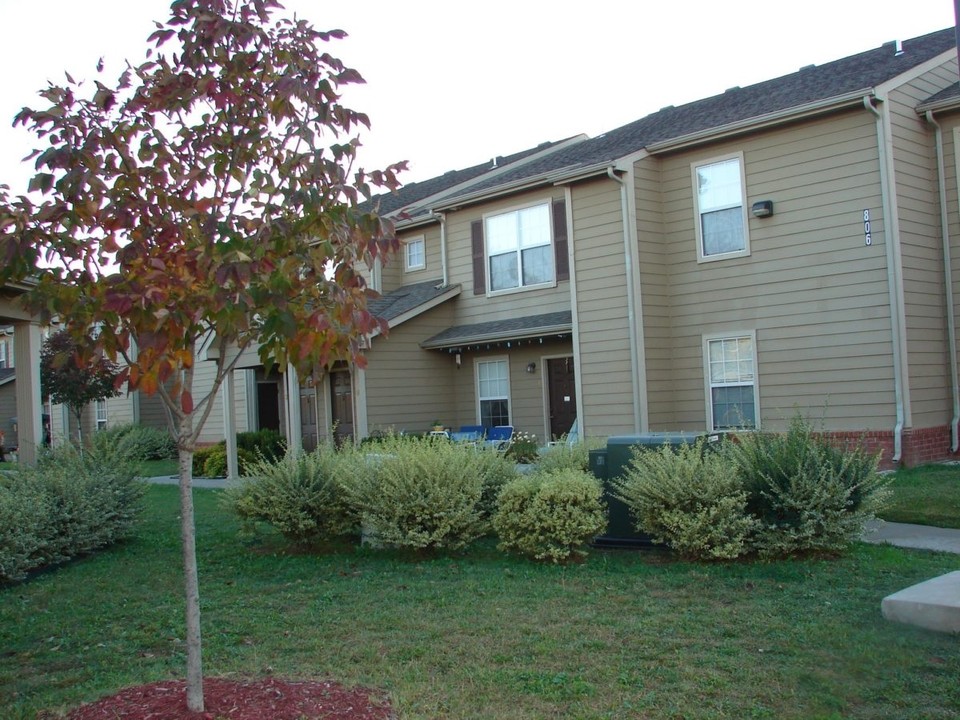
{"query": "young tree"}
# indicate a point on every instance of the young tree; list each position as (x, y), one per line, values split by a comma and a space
(212, 189)
(70, 378)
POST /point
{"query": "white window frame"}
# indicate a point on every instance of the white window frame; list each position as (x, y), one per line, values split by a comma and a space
(3, 351)
(411, 242)
(709, 385)
(694, 167)
(476, 384)
(100, 414)
(547, 204)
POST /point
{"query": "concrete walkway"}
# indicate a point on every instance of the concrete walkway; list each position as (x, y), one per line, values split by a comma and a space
(918, 537)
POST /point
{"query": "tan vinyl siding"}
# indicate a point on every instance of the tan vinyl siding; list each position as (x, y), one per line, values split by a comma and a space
(408, 387)
(480, 308)
(601, 272)
(8, 411)
(921, 248)
(951, 155)
(809, 277)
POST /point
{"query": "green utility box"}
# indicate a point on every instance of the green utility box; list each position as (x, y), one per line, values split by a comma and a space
(611, 462)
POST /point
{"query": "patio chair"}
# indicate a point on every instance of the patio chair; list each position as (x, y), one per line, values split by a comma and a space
(468, 434)
(499, 437)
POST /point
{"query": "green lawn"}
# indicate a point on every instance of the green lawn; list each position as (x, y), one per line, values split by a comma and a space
(928, 495)
(625, 635)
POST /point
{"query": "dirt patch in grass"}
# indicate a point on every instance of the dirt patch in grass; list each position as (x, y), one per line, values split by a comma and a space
(240, 700)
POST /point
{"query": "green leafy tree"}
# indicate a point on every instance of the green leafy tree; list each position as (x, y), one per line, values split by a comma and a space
(211, 188)
(69, 377)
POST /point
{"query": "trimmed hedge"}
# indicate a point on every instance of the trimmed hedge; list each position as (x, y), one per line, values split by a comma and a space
(550, 516)
(68, 505)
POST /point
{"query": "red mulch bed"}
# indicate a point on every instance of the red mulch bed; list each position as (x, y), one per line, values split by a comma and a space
(240, 700)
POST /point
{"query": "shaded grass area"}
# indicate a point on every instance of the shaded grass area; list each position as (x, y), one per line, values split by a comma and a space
(927, 495)
(154, 468)
(625, 635)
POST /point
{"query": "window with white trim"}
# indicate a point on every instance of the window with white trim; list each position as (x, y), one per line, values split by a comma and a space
(3, 352)
(414, 254)
(719, 193)
(519, 248)
(493, 392)
(100, 407)
(732, 394)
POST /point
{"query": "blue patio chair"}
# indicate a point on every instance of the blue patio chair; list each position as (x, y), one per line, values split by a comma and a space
(471, 434)
(499, 437)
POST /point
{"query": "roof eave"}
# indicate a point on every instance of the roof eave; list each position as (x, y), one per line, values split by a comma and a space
(952, 103)
(799, 112)
(448, 294)
(498, 337)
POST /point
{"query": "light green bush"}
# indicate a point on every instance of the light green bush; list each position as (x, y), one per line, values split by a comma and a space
(807, 494)
(303, 497)
(550, 516)
(689, 498)
(573, 456)
(66, 506)
(141, 442)
(422, 493)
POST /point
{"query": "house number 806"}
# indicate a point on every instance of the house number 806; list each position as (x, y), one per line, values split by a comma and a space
(867, 238)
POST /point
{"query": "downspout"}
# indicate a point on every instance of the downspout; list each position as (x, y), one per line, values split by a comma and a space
(631, 297)
(575, 314)
(442, 218)
(894, 285)
(948, 285)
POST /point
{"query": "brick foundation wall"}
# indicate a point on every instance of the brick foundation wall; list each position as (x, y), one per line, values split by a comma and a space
(919, 445)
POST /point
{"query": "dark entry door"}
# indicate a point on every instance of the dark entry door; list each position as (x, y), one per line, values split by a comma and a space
(342, 403)
(268, 406)
(308, 418)
(562, 393)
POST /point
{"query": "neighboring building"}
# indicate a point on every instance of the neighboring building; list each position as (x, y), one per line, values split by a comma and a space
(785, 247)
(19, 374)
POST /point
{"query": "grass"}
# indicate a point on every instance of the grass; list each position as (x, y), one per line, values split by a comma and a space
(927, 495)
(625, 635)
(155, 468)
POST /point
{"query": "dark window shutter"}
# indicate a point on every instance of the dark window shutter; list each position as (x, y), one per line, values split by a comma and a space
(560, 239)
(479, 261)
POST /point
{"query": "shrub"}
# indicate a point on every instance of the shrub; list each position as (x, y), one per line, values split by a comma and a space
(202, 454)
(302, 496)
(550, 516)
(142, 442)
(268, 444)
(807, 494)
(67, 505)
(689, 498)
(495, 471)
(573, 456)
(421, 493)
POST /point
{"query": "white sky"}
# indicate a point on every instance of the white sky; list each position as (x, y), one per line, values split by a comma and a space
(453, 84)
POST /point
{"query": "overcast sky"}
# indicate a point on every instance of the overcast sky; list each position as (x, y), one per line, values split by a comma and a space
(453, 84)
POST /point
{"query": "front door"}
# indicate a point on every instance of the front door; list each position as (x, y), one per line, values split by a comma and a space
(562, 391)
(268, 406)
(341, 393)
(308, 418)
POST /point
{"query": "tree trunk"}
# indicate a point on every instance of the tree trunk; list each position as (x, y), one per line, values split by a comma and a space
(191, 584)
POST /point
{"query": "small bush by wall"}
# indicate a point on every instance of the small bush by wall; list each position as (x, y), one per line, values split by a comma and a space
(573, 456)
(689, 498)
(807, 493)
(550, 516)
(66, 506)
(141, 441)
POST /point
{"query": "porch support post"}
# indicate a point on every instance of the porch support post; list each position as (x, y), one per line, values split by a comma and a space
(228, 389)
(26, 354)
(292, 397)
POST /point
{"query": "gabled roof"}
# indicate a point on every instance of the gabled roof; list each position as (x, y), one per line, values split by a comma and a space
(410, 300)
(814, 85)
(501, 331)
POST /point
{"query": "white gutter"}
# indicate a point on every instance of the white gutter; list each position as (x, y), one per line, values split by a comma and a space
(948, 285)
(629, 254)
(442, 218)
(574, 314)
(891, 224)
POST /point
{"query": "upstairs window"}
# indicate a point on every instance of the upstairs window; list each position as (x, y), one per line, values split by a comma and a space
(721, 218)
(414, 254)
(519, 249)
(100, 407)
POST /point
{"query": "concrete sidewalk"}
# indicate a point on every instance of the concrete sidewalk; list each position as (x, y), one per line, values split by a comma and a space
(918, 537)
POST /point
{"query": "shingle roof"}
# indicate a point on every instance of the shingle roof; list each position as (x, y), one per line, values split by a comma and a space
(407, 298)
(502, 330)
(947, 94)
(414, 192)
(816, 83)
(6, 374)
